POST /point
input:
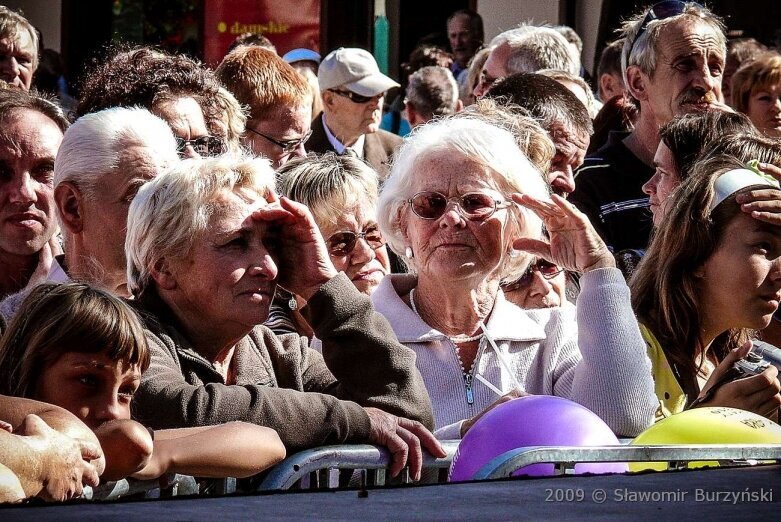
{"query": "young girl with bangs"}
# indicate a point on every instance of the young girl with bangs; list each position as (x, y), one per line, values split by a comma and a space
(83, 349)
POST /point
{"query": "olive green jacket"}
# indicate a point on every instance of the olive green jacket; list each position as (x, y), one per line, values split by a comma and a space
(308, 398)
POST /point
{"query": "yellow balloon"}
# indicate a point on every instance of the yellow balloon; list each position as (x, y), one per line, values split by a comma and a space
(713, 425)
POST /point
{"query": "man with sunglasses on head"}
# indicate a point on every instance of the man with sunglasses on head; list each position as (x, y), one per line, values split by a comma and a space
(672, 60)
(352, 89)
(279, 100)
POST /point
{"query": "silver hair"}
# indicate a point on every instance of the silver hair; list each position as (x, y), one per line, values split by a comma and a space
(475, 140)
(534, 48)
(171, 210)
(432, 92)
(92, 147)
(643, 51)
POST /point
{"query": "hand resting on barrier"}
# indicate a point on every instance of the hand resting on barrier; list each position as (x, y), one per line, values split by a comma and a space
(404, 439)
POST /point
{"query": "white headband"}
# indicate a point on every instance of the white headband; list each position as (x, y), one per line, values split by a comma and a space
(734, 180)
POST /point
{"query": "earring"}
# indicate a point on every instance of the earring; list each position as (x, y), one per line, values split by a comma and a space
(408, 252)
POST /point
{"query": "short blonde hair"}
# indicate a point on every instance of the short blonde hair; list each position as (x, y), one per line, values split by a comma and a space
(170, 211)
(754, 76)
(475, 140)
(530, 137)
(329, 185)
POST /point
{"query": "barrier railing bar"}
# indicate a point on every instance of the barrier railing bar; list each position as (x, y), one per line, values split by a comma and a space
(507, 463)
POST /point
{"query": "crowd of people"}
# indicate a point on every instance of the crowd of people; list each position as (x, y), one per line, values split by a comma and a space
(202, 271)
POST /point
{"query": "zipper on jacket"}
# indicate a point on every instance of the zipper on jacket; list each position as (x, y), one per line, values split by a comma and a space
(470, 397)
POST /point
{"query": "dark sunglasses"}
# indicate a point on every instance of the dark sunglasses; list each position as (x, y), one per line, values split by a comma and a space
(355, 98)
(287, 146)
(203, 145)
(343, 243)
(546, 269)
(475, 206)
(661, 11)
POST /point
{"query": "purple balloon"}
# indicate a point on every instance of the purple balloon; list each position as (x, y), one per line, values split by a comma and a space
(536, 420)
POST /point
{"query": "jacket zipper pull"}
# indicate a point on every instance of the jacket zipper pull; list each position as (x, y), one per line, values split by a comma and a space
(470, 398)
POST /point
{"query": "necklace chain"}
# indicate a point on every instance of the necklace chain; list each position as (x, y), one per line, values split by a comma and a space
(455, 340)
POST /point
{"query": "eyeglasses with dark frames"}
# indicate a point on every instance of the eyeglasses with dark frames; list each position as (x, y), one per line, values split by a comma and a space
(342, 243)
(203, 145)
(355, 98)
(474, 206)
(287, 146)
(546, 269)
(661, 11)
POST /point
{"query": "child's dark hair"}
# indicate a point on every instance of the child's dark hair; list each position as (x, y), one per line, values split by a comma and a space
(71, 317)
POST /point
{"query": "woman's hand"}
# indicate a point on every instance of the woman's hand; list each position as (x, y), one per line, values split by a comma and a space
(763, 204)
(573, 245)
(404, 439)
(514, 394)
(758, 393)
(298, 247)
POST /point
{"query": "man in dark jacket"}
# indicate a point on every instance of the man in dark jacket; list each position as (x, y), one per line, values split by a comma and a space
(352, 89)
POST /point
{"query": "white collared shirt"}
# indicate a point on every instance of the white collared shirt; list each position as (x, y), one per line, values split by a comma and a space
(340, 147)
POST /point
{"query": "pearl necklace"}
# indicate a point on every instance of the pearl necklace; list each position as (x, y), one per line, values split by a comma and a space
(454, 340)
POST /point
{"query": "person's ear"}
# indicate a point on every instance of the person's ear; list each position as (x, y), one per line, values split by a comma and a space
(459, 105)
(163, 275)
(328, 99)
(70, 206)
(637, 83)
(606, 87)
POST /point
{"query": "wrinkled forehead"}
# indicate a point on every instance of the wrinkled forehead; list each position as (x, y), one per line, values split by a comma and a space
(568, 140)
(690, 36)
(445, 168)
(230, 208)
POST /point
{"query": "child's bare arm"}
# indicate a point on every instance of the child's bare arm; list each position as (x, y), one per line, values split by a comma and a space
(127, 446)
(235, 449)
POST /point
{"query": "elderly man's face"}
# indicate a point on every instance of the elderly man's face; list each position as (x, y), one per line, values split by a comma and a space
(462, 41)
(570, 151)
(185, 117)
(17, 56)
(281, 134)
(495, 69)
(28, 145)
(105, 207)
(689, 66)
(352, 118)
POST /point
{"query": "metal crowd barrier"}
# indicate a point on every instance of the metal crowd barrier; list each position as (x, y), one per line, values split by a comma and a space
(177, 485)
(675, 456)
(364, 465)
(317, 464)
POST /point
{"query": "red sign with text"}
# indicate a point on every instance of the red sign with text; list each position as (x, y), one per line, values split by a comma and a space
(289, 24)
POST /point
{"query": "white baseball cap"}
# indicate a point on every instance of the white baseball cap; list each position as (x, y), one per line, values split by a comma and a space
(354, 69)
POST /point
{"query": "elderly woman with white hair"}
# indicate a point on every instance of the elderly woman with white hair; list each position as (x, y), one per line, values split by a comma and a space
(207, 243)
(467, 208)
